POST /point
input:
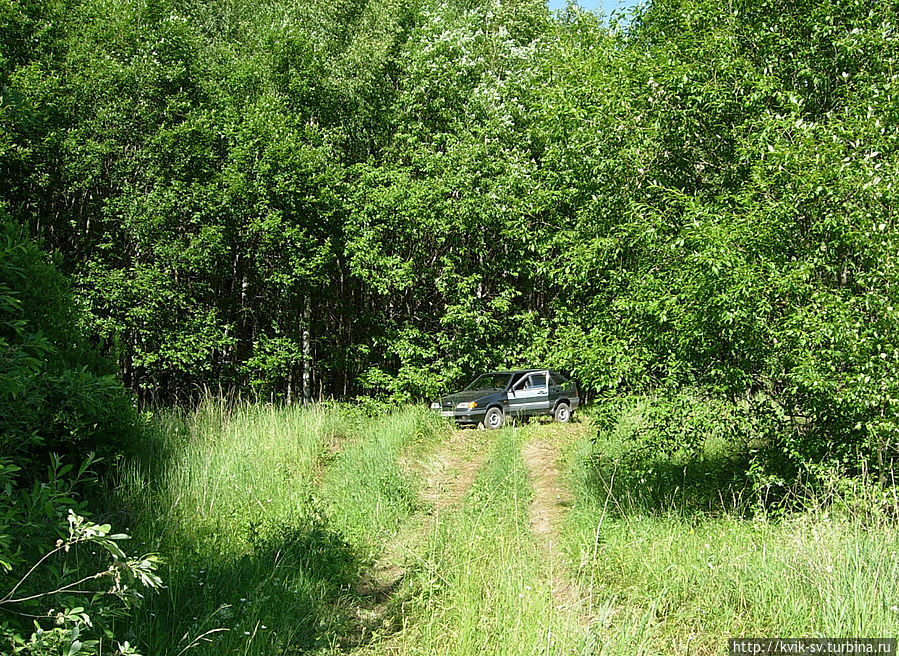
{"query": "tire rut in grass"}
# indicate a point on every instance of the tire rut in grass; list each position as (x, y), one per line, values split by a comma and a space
(454, 469)
(448, 474)
(547, 509)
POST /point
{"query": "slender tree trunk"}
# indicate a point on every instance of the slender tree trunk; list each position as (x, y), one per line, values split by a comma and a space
(307, 359)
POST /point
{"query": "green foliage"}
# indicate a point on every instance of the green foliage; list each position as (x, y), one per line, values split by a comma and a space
(332, 198)
(59, 404)
(61, 600)
(56, 393)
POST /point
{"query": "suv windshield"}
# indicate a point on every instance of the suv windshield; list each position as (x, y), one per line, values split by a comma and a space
(489, 381)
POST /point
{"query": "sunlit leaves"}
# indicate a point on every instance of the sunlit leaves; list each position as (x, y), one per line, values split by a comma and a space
(388, 197)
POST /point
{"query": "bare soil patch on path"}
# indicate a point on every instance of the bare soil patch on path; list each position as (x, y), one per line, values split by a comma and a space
(551, 497)
(542, 454)
(453, 470)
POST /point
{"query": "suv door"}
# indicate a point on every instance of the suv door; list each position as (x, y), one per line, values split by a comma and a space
(556, 389)
(540, 382)
(529, 395)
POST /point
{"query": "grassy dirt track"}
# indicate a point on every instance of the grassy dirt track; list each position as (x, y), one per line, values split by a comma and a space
(479, 574)
(321, 530)
(452, 470)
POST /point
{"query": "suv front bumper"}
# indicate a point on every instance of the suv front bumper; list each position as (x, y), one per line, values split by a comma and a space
(463, 415)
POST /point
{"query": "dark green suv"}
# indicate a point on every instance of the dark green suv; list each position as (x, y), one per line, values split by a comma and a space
(496, 395)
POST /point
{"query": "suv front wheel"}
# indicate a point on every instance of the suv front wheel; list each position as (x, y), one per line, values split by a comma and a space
(494, 418)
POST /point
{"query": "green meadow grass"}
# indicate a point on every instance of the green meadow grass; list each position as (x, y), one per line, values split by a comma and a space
(305, 530)
(266, 518)
(673, 560)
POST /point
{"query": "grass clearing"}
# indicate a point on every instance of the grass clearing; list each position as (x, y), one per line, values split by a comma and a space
(320, 530)
(267, 518)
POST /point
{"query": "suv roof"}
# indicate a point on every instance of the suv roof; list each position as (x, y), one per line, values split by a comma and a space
(519, 371)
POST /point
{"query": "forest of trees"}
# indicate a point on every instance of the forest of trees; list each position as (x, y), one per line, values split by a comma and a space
(296, 199)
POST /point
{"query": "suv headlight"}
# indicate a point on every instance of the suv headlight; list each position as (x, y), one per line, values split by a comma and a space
(468, 405)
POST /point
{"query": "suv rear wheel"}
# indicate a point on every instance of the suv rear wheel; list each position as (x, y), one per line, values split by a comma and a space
(494, 418)
(562, 413)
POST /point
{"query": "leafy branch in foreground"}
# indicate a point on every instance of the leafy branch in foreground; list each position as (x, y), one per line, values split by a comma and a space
(124, 577)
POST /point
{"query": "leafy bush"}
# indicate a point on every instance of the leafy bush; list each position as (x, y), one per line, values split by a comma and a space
(57, 600)
(57, 395)
(58, 402)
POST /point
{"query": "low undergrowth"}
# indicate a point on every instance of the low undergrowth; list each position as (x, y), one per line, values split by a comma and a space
(676, 554)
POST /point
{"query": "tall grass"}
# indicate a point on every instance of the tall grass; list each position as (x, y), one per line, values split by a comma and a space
(673, 561)
(201, 471)
(265, 517)
(365, 491)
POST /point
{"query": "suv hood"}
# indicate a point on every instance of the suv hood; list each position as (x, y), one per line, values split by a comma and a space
(453, 400)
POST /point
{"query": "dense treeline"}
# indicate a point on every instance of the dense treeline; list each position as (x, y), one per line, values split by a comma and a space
(326, 198)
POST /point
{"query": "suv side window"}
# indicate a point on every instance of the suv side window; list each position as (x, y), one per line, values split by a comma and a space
(558, 379)
(538, 381)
